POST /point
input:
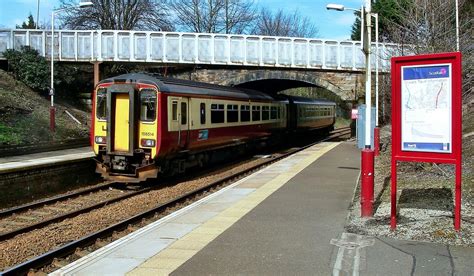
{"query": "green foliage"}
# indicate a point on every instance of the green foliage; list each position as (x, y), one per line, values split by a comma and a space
(28, 67)
(389, 11)
(28, 24)
(34, 70)
(9, 135)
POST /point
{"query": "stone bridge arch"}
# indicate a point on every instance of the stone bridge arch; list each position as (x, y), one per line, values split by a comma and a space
(273, 81)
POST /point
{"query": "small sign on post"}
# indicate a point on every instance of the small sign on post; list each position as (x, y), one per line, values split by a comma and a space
(354, 113)
(427, 117)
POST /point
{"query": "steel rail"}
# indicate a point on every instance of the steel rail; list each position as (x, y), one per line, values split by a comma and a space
(51, 200)
(71, 214)
(71, 247)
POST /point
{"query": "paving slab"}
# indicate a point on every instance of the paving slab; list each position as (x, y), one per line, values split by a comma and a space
(289, 232)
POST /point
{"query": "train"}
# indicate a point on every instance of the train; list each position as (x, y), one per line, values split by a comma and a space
(145, 125)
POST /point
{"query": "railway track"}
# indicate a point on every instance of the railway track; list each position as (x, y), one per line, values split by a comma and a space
(53, 258)
(28, 217)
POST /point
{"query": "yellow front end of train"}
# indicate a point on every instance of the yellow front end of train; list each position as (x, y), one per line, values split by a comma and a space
(125, 131)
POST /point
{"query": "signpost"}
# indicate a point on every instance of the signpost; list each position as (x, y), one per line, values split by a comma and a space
(427, 117)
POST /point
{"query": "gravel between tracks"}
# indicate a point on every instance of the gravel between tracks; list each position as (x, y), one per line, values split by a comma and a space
(34, 243)
(36, 215)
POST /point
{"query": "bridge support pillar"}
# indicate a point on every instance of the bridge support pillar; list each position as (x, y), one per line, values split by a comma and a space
(96, 72)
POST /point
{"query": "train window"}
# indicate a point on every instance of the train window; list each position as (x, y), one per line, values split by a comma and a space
(217, 113)
(184, 113)
(245, 113)
(101, 110)
(232, 113)
(265, 113)
(174, 110)
(147, 105)
(255, 113)
(279, 112)
(203, 113)
(273, 112)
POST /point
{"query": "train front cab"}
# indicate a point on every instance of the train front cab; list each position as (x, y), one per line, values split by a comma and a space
(125, 131)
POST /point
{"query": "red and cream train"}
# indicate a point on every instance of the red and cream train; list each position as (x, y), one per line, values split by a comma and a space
(144, 125)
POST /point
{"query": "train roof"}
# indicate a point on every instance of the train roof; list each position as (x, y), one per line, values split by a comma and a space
(168, 85)
(303, 100)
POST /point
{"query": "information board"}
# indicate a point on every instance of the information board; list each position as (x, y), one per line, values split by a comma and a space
(427, 117)
(426, 108)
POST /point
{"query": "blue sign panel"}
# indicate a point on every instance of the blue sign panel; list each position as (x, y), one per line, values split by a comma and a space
(428, 72)
(203, 134)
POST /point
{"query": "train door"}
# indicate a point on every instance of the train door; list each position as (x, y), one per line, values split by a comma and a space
(184, 122)
(179, 122)
(121, 122)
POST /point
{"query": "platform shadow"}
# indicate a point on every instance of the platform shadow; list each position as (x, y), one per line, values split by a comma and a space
(428, 198)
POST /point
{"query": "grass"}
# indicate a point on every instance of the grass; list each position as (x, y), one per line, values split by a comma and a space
(9, 135)
(24, 116)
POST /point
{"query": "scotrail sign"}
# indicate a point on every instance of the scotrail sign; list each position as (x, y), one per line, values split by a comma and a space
(427, 116)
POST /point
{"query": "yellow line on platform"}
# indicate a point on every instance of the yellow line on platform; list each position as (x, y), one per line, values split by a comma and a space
(169, 259)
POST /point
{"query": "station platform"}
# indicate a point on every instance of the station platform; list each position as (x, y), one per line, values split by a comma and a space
(286, 219)
(42, 159)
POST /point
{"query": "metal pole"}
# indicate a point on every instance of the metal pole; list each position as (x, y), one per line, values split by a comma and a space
(37, 14)
(457, 25)
(367, 154)
(376, 69)
(376, 129)
(51, 91)
(368, 80)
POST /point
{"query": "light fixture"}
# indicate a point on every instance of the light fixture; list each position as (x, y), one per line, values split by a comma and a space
(336, 7)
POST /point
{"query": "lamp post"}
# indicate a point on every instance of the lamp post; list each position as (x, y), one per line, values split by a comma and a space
(37, 14)
(52, 116)
(367, 155)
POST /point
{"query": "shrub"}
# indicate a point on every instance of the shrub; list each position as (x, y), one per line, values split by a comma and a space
(34, 70)
(29, 67)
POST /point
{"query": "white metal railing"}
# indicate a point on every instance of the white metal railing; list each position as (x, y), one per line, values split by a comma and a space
(195, 48)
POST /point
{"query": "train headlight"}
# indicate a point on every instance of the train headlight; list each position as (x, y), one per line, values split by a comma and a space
(148, 143)
(100, 140)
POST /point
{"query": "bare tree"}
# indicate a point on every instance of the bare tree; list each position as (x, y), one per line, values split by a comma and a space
(118, 15)
(213, 16)
(239, 16)
(284, 24)
(428, 26)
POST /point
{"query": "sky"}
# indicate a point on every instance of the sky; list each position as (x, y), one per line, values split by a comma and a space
(331, 24)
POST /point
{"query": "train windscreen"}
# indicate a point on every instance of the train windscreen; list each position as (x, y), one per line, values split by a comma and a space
(101, 105)
(147, 105)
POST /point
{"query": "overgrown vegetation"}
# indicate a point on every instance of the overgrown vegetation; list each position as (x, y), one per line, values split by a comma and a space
(24, 116)
(28, 67)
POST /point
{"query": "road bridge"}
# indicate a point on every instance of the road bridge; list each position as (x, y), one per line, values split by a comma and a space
(259, 62)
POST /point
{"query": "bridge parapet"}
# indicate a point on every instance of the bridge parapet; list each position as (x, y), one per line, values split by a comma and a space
(196, 48)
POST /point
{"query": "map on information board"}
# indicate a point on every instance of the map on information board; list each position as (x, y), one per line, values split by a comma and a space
(426, 108)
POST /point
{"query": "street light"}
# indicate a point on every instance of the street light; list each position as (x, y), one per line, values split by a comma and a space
(51, 89)
(367, 184)
(338, 7)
